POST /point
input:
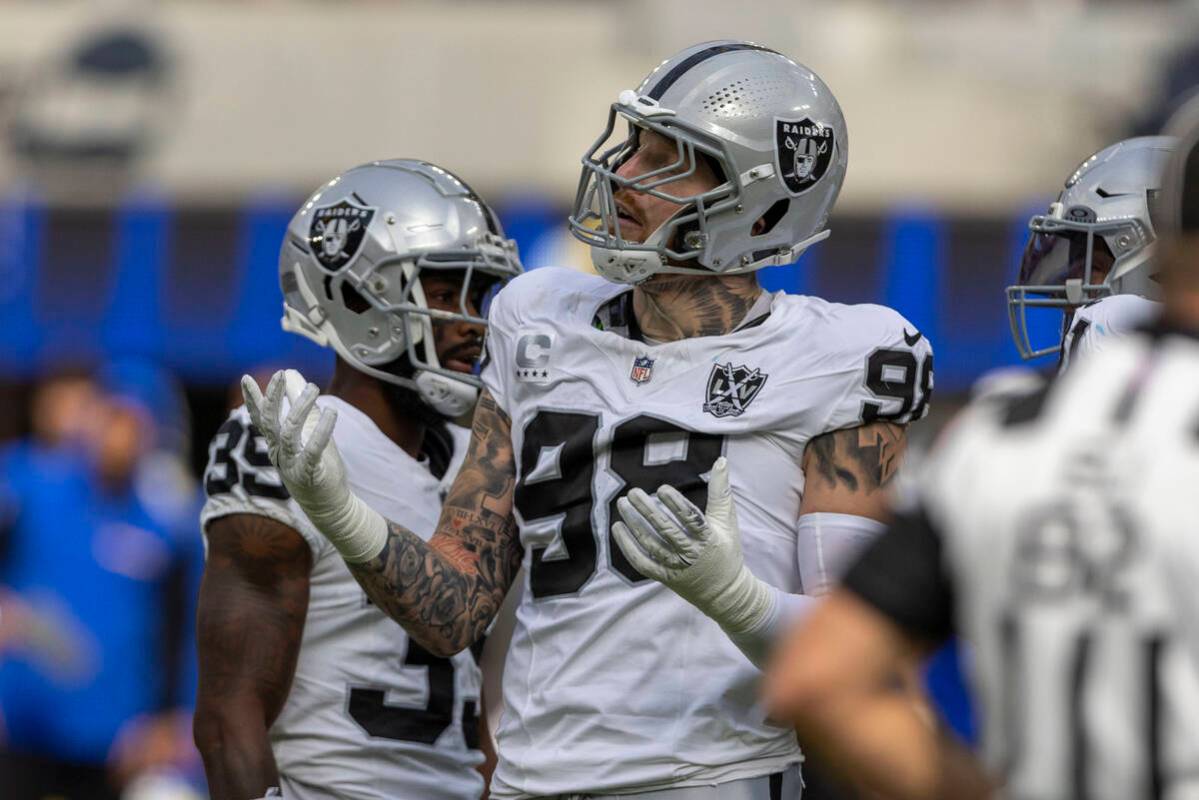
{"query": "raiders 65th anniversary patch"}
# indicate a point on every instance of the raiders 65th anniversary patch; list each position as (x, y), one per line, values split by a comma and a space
(803, 150)
(337, 232)
(731, 389)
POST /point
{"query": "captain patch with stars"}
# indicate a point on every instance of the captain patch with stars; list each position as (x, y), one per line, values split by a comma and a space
(337, 231)
(803, 150)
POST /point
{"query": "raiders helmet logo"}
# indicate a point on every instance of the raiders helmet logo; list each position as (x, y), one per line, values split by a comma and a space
(337, 232)
(803, 150)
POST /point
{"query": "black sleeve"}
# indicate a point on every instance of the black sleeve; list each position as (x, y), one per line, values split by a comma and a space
(901, 574)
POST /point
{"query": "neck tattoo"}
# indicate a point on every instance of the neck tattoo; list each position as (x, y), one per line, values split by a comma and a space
(673, 307)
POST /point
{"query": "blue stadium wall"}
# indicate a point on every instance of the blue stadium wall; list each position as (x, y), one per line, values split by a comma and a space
(195, 288)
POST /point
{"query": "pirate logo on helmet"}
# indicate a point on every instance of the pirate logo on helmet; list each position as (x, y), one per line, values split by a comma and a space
(803, 150)
(337, 232)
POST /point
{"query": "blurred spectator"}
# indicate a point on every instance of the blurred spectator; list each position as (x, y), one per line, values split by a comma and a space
(60, 404)
(99, 563)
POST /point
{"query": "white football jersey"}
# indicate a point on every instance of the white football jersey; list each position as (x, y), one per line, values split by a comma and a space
(1056, 531)
(612, 682)
(371, 714)
(1097, 325)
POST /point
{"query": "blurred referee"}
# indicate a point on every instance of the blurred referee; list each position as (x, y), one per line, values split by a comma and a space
(1058, 531)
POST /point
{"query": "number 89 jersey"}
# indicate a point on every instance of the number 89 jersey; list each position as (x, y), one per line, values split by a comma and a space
(612, 682)
(370, 712)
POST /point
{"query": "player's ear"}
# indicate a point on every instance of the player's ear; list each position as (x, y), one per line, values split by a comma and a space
(759, 227)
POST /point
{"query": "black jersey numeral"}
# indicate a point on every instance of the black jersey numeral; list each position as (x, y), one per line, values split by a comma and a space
(223, 474)
(891, 374)
(369, 708)
(1073, 339)
(557, 464)
(557, 471)
(632, 462)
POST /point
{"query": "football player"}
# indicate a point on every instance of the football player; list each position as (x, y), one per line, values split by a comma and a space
(726, 159)
(304, 684)
(1056, 530)
(1092, 254)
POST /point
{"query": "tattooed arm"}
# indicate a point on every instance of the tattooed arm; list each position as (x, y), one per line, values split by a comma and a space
(848, 471)
(446, 591)
(253, 600)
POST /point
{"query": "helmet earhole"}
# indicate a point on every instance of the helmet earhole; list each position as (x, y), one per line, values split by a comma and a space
(765, 223)
(353, 300)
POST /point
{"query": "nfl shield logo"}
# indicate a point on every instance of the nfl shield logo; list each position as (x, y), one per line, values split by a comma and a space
(643, 369)
(731, 389)
(337, 232)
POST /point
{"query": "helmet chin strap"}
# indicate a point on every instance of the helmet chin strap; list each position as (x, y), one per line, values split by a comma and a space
(446, 396)
(624, 266)
(631, 266)
(636, 266)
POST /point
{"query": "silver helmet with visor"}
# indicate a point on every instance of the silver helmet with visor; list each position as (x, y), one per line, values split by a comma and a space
(1095, 240)
(355, 260)
(767, 127)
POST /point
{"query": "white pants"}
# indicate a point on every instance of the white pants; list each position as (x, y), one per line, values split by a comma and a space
(785, 785)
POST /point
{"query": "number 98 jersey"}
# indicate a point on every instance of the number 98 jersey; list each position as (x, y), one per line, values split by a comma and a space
(612, 682)
(370, 713)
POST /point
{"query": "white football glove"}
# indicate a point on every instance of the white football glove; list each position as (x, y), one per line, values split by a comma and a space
(696, 554)
(301, 447)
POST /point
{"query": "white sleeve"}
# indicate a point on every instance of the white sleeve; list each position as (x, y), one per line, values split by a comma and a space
(786, 610)
(240, 479)
(828, 544)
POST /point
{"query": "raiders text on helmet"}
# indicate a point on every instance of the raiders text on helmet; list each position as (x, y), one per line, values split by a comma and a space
(351, 263)
(771, 130)
(1096, 239)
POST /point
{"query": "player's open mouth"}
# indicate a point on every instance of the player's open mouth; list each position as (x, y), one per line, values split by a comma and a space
(463, 359)
(629, 224)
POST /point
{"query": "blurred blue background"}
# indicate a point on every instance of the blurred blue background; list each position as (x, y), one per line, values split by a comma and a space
(195, 289)
(151, 155)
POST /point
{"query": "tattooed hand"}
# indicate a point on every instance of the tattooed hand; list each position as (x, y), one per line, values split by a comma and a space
(848, 470)
(446, 591)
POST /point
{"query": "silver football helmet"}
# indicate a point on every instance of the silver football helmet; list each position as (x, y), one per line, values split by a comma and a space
(768, 126)
(1095, 240)
(351, 267)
